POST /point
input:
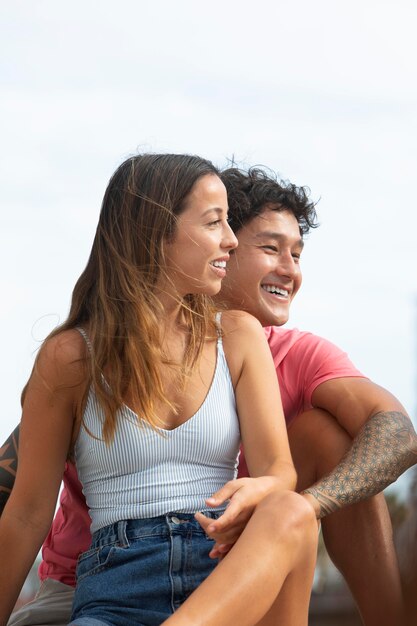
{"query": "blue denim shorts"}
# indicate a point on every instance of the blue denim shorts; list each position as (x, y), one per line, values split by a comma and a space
(140, 571)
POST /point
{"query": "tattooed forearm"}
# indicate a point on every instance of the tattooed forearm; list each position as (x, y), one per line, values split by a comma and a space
(383, 449)
(8, 466)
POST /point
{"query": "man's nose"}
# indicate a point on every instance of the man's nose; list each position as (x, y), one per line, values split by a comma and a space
(286, 265)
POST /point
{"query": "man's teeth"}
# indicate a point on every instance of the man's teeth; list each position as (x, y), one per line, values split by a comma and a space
(219, 263)
(276, 290)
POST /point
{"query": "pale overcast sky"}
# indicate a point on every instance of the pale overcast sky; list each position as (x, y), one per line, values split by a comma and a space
(323, 92)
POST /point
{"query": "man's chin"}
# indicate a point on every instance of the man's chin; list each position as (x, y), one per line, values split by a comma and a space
(270, 311)
(271, 318)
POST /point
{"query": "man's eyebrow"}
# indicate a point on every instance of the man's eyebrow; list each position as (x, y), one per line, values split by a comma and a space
(270, 234)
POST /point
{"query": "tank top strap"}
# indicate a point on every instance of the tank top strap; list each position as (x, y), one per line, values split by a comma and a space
(86, 338)
(218, 322)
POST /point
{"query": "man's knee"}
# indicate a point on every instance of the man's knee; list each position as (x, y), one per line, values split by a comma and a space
(317, 443)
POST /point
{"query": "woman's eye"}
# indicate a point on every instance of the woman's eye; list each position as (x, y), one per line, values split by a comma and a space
(214, 223)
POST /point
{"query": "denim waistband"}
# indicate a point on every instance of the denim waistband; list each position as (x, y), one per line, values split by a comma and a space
(124, 531)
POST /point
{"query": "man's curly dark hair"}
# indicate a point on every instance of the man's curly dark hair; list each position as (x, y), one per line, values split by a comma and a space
(249, 191)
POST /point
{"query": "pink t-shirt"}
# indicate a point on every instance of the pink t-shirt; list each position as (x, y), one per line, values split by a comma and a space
(70, 532)
(302, 361)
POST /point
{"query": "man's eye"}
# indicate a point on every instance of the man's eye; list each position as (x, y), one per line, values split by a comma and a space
(296, 257)
(270, 248)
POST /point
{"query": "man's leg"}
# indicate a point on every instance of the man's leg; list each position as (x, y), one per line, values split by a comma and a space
(358, 538)
(51, 607)
(410, 593)
(406, 544)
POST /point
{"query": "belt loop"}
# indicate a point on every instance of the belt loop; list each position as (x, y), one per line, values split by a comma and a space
(121, 534)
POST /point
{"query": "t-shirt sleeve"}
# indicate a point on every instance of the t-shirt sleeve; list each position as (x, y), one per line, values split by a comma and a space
(317, 360)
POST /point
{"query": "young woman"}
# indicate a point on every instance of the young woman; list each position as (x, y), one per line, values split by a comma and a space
(142, 386)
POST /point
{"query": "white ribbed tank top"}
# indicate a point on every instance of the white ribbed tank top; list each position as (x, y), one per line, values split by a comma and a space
(146, 472)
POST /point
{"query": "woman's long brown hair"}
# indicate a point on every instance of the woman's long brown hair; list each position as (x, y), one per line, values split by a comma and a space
(114, 296)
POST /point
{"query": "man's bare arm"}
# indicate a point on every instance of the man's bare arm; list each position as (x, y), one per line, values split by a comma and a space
(8, 466)
(383, 449)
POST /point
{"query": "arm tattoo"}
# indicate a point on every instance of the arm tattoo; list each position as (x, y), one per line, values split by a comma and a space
(382, 450)
(8, 466)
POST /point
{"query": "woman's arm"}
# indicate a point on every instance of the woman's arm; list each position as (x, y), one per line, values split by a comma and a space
(8, 466)
(262, 425)
(51, 402)
(261, 417)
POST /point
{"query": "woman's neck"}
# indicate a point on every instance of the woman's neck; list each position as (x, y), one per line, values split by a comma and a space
(172, 311)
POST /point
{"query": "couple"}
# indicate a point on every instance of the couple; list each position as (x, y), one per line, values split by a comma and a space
(160, 250)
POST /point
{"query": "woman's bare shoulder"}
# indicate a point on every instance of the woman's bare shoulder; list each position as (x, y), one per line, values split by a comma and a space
(242, 339)
(62, 357)
(240, 321)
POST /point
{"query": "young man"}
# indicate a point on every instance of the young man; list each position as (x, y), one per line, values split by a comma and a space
(349, 437)
(357, 438)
